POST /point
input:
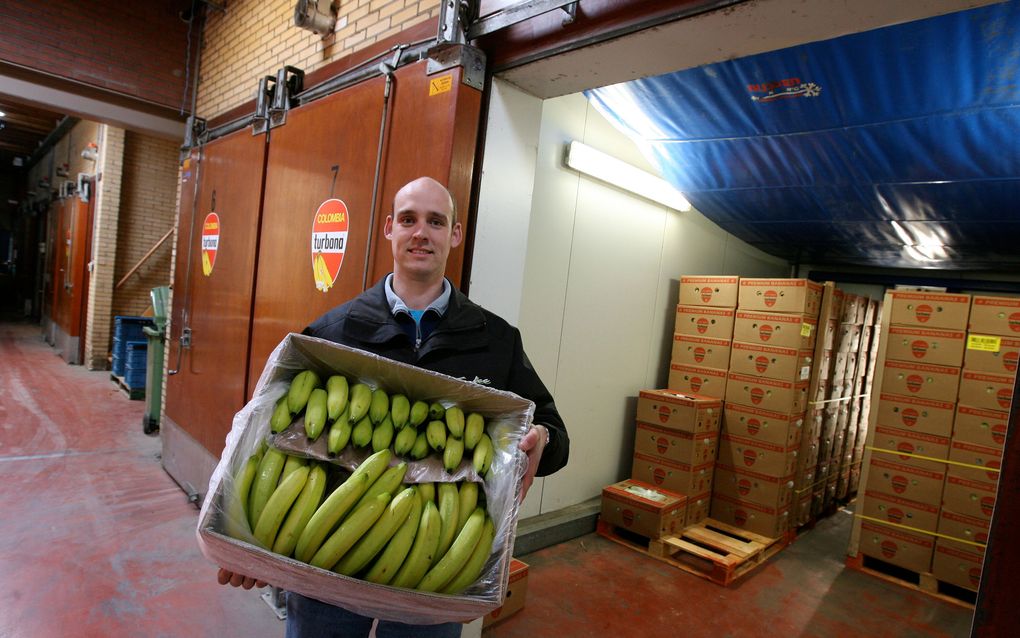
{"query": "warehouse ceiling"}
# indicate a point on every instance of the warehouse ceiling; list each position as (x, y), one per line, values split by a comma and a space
(895, 147)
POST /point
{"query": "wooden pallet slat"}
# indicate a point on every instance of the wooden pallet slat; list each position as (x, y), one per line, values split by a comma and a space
(927, 583)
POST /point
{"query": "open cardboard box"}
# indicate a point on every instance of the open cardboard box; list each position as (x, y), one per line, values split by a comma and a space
(225, 539)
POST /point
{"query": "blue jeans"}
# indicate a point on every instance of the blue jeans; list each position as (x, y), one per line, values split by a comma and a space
(309, 618)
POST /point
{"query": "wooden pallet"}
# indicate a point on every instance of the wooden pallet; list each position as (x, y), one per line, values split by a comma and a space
(716, 551)
(134, 394)
(924, 582)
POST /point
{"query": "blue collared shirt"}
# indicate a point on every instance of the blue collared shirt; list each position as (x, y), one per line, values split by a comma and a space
(438, 307)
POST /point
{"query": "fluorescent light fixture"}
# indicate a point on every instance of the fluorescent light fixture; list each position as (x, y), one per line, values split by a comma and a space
(2, 114)
(587, 160)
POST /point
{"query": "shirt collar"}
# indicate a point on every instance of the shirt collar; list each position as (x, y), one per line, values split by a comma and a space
(439, 304)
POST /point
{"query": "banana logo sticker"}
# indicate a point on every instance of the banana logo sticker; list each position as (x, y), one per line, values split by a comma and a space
(329, 241)
(210, 242)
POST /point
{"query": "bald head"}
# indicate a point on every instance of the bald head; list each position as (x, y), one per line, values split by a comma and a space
(430, 188)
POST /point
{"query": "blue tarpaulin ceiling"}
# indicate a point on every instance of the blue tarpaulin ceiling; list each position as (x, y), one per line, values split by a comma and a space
(810, 152)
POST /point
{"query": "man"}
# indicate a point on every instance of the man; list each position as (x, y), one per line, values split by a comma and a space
(416, 316)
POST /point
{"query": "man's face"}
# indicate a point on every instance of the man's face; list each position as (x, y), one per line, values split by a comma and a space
(420, 231)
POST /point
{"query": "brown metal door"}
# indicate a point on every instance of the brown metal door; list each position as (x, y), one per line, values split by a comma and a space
(213, 283)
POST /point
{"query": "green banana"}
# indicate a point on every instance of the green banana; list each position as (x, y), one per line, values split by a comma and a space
(474, 566)
(278, 505)
(468, 502)
(453, 454)
(379, 406)
(360, 401)
(339, 434)
(423, 551)
(352, 529)
(389, 481)
(337, 391)
(315, 413)
(361, 435)
(455, 422)
(483, 455)
(400, 410)
(436, 411)
(454, 560)
(382, 435)
(292, 463)
(386, 566)
(266, 479)
(435, 432)
(338, 503)
(473, 430)
(449, 504)
(419, 412)
(420, 448)
(300, 389)
(404, 441)
(304, 507)
(243, 481)
(428, 491)
(281, 418)
(379, 535)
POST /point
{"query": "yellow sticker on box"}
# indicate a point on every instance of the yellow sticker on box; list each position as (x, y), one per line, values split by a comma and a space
(805, 330)
(985, 343)
(441, 84)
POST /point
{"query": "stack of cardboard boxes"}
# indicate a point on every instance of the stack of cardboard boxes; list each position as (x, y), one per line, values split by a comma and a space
(771, 361)
(702, 335)
(870, 340)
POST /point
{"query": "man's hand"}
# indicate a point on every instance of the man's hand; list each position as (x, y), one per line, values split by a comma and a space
(225, 577)
(533, 444)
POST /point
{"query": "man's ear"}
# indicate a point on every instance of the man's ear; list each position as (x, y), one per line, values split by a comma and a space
(458, 235)
(388, 227)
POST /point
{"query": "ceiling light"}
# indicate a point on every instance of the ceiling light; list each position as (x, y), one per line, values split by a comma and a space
(607, 168)
(2, 114)
(902, 233)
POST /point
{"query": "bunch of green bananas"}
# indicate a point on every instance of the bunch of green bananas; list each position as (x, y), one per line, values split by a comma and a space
(361, 416)
(373, 526)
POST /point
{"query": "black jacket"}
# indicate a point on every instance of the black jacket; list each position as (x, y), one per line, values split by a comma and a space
(467, 342)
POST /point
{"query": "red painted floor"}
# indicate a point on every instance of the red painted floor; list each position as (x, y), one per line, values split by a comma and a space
(97, 540)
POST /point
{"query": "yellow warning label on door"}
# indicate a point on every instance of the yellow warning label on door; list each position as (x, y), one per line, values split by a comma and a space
(986, 343)
(441, 84)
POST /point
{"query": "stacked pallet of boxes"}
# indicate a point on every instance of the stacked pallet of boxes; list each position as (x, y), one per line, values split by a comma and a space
(869, 354)
(978, 436)
(766, 397)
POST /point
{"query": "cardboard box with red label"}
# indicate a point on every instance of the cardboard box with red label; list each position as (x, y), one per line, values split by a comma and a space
(986, 390)
(780, 295)
(964, 528)
(929, 309)
(908, 446)
(968, 497)
(679, 411)
(920, 380)
(767, 394)
(708, 382)
(926, 345)
(775, 329)
(758, 519)
(683, 478)
(995, 316)
(893, 509)
(980, 427)
(700, 351)
(698, 507)
(907, 481)
(762, 425)
(992, 353)
(758, 456)
(516, 593)
(909, 550)
(675, 445)
(773, 362)
(709, 291)
(745, 485)
(642, 508)
(958, 563)
(715, 323)
(911, 413)
(975, 462)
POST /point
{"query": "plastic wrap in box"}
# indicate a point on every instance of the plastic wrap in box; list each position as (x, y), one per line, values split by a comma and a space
(223, 532)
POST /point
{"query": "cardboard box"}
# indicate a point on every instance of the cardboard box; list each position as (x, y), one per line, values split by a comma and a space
(985, 390)
(964, 528)
(900, 443)
(995, 315)
(921, 380)
(758, 519)
(796, 331)
(968, 497)
(984, 462)
(901, 511)
(767, 394)
(889, 476)
(683, 478)
(909, 550)
(698, 507)
(758, 456)
(709, 291)
(773, 362)
(708, 382)
(679, 411)
(911, 413)
(991, 353)
(958, 563)
(700, 351)
(929, 309)
(675, 445)
(745, 485)
(648, 510)
(780, 295)
(763, 425)
(980, 427)
(516, 593)
(926, 345)
(715, 323)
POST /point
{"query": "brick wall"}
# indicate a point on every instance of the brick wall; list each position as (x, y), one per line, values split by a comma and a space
(254, 38)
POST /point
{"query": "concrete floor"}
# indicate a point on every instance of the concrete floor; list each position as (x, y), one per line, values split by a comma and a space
(97, 540)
